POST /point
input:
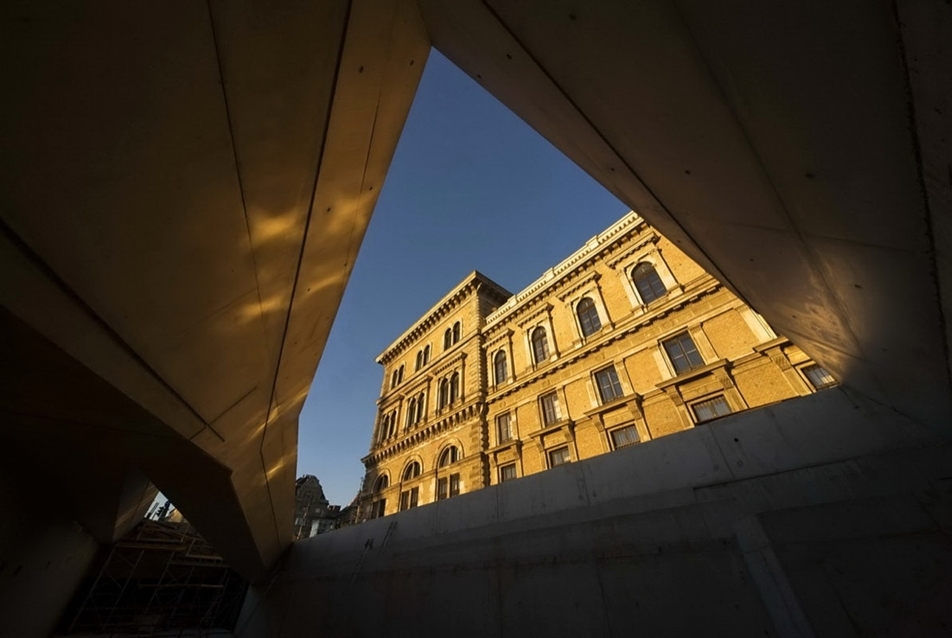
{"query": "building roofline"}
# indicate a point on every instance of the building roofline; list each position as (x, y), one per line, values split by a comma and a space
(592, 247)
(472, 282)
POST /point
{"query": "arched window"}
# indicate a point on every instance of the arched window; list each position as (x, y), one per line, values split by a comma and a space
(588, 317)
(393, 379)
(411, 412)
(412, 471)
(444, 393)
(392, 428)
(419, 360)
(447, 338)
(400, 374)
(457, 328)
(500, 366)
(648, 283)
(426, 354)
(381, 483)
(449, 456)
(384, 429)
(540, 345)
(454, 386)
(420, 407)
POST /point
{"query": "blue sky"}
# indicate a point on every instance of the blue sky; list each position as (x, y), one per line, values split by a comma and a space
(471, 187)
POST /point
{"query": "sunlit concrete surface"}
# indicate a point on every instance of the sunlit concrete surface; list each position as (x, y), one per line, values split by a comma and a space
(185, 187)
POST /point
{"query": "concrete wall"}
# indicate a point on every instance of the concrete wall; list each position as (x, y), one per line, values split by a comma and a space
(825, 515)
(44, 554)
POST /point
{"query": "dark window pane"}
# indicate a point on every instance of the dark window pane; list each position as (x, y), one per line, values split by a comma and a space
(588, 317)
(507, 472)
(454, 484)
(683, 353)
(648, 283)
(441, 489)
(711, 409)
(608, 386)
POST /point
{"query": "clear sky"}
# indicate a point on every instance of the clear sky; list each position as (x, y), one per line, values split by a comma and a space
(471, 187)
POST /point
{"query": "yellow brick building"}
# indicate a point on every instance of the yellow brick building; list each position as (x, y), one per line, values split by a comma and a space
(625, 341)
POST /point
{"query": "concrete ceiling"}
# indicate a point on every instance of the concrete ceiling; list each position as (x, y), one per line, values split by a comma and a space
(185, 188)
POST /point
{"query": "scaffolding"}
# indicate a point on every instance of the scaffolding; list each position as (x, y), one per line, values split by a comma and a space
(162, 579)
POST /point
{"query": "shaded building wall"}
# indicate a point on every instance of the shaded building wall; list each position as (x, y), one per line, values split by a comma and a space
(44, 553)
(827, 515)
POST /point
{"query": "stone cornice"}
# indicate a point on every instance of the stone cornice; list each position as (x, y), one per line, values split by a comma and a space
(449, 363)
(530, 318)
(567, 291)
(472, 284)
(559, 274)
(648, 238)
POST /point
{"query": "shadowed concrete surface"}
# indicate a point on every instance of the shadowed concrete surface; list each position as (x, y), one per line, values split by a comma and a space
(185, 188)
(826, 515)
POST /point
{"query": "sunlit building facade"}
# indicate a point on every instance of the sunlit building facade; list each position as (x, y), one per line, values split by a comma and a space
(625, 341)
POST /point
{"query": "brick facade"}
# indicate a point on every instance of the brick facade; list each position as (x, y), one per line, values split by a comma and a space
(605, 323)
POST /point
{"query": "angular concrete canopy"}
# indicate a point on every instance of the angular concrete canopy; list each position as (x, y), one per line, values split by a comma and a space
(186, 186)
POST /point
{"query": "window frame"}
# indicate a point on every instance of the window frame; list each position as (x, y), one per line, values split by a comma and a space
(453, 451)
(591, 319)
(444, 393)
(550, 456)
(805, 371)
(507, 417)
(652, 270)
(617, 390)
(410, 498)
(544, 405)
(535, 344)
(711, 399)
(624, 428)
(679, 340)
(500, 359)
(407, 475)
(502, 472)
(455, 387)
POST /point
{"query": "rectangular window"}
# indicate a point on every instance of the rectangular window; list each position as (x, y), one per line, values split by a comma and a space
(550, 408)
(683, 353)
(507, 472)
(624, 437)
(711, 409)
(819, 378)
(504, 428)
(447, 486)
(559, 456)
(378, 509)
(409, 498)
(609, 388)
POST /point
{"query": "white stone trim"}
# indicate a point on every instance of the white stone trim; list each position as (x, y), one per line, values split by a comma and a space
(649, 254)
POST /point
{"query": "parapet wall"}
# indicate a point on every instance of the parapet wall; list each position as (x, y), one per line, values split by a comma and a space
(796, 519)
